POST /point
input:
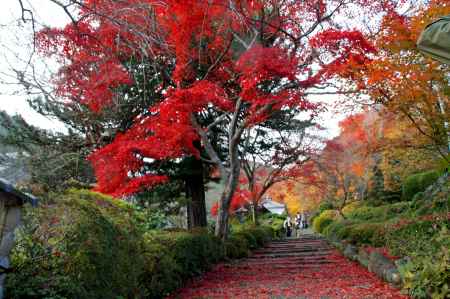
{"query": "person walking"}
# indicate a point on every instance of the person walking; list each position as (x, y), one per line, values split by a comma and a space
(298, 224)
(304, 221)
(287, 225)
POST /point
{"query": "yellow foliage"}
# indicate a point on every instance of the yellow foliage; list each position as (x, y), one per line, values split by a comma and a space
(296, 196)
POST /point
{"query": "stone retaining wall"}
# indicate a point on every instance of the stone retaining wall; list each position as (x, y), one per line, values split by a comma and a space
(375, 262)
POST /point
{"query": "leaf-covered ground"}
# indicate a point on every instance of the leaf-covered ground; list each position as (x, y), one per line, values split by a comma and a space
(299, 268)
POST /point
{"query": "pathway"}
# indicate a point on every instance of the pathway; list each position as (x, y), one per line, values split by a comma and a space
(304, 268)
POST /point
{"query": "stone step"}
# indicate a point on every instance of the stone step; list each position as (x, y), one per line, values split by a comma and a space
(298, 263)
(297, 243)
(277, 255)
(299, 240)
(297, 248)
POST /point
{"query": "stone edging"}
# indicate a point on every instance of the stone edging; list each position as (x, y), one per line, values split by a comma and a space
(375, 262)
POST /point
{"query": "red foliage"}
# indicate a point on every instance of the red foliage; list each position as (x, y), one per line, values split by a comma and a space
(240, 199)
(289, 278)
(211, 71)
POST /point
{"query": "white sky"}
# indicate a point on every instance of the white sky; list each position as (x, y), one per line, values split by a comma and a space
(15, 41)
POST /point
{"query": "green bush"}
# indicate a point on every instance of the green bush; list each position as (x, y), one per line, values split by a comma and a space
(379, 213)
(161, 273)
(366, 233)
(410, 237)
(262, 234)
(365, 213)
(349, 208)
(357, 233)
(251, 239)
(338, 229)
(236, 246)
(246, 238)
(86, 245)
(277, 227)
(417, 231)
(391, 196)
(427, 273)
(171, 257)
(326, 205)
(418, 183)
(323, 220)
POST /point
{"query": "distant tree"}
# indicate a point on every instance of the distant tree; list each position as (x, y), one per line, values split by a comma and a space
(49, 159)
(407, 83)
(277, 152)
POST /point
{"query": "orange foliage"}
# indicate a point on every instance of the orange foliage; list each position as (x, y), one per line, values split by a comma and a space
(297, 196)
(405, 81)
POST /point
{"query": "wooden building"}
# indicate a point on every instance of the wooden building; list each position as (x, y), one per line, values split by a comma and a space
(11, 203)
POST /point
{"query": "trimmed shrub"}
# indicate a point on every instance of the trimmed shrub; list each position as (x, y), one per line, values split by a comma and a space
(365, 213)
(161, 274)
(349, 208)
(338, 229)
(384, 212)
(236, 247)
(246, 238)
(277, 227)
(366, 233)
(251, 240)
(326, 205)
(410, 236)
(391, 196)
(418, 183)
(418, 232)
(357, 233)
(262, 234)
(87, 245)
(426, 273)
(323, 220)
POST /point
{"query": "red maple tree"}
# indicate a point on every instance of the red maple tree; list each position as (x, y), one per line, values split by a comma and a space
(240, 61)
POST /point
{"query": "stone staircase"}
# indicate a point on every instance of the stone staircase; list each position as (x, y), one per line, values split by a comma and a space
(307, 267)
(308, 250)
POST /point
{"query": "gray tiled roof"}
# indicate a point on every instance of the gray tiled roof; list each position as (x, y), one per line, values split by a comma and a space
(7, 187)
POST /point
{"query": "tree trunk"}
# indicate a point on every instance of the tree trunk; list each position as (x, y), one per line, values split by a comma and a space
(222, 223)
(254, 215)
(255, 212)
(225, 199)
(195, 191)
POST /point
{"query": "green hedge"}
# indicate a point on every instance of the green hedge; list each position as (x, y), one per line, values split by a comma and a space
(277, 226)
(86, 245)
(357, 233)
(338, 229)
(418, 183)
(172, 257)
(379, 213)
(323, 220)
(418, 232)
(426, 273)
